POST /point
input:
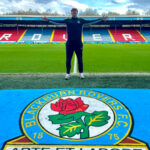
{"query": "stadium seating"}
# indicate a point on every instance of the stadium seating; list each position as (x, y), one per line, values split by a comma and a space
(37, 35)
(146, 34)
(47, 35)
(96, 34)
(59, 35)
(127, 35)
(10, 34)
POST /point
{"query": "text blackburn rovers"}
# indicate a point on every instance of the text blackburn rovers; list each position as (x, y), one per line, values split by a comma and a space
(74, 38)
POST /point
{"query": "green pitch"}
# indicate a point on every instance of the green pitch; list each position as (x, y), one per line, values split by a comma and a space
(50, 58)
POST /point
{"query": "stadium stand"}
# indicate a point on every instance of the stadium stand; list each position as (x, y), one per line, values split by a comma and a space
(27, 29)
(96, 34)
(146, 34)
(37, 35)
(10, 34)
(59, 35)
(127, 35)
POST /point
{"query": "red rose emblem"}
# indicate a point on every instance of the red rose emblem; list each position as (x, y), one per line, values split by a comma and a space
(69, 106)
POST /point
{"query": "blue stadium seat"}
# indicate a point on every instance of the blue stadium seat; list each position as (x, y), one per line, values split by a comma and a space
(146, 34)
(96, 34)
(37, 35)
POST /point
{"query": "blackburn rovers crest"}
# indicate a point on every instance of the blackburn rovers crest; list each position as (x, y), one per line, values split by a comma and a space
(75, 119)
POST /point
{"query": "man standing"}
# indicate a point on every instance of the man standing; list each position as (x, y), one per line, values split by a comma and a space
(74, 38)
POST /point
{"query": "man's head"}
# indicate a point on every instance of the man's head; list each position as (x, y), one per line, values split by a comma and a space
(74, 12)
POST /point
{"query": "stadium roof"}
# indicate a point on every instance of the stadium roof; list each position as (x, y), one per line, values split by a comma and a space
(20, 19)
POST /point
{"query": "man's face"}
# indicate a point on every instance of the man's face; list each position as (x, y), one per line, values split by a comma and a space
(74, 13)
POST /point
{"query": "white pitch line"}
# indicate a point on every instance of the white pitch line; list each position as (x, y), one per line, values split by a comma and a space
(75, 65)
(107, 74)
(138, 74)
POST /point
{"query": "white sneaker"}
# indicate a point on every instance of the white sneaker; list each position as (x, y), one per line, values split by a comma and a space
(67, 76)
(82, 76)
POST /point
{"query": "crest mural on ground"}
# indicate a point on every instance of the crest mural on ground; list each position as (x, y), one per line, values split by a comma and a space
(75, 119)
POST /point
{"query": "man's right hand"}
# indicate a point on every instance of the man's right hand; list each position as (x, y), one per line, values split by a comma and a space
(44, 18)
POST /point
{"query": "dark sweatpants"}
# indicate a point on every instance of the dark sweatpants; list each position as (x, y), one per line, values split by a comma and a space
(70, 48)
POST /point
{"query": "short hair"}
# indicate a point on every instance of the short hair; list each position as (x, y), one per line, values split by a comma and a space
(74, 9)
